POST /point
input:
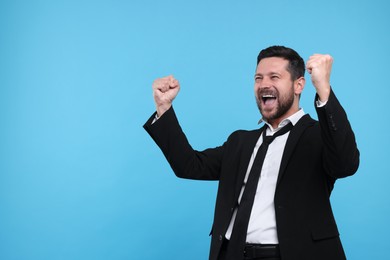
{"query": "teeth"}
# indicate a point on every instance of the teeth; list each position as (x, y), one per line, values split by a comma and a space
(268, 96)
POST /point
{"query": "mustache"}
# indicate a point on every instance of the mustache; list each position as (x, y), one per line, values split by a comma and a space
(263, 92)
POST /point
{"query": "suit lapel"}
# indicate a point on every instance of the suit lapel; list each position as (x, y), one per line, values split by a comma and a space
(292, 141)
(247, 150)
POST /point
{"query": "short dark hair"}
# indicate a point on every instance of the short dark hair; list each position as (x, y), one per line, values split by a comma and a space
(296, 65)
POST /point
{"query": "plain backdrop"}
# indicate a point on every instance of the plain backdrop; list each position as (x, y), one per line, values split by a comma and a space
(81, 179)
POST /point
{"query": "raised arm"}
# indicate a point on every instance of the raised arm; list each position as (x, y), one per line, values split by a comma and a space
(341, 155)
(168, 135)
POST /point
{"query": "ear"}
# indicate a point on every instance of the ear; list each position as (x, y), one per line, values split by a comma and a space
(299, 85)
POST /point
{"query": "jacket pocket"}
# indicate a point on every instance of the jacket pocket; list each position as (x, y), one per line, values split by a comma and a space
(324, 233)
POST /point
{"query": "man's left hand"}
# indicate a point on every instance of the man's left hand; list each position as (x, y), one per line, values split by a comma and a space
(319, 67)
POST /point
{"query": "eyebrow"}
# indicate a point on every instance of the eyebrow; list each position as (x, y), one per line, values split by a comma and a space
(270, 73)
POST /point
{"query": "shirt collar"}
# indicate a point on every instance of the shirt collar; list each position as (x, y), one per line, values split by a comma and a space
(294, 118)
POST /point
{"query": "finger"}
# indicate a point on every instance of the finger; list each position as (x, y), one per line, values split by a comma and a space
(170, 79)
(313, 61)
(174, 84)
(321, 58)
(310, 64)
(165, 87)
(161, 84)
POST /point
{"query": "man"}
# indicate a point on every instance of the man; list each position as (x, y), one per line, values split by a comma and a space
(273, 195)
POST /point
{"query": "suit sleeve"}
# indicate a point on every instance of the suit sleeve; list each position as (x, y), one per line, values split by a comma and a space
(183, 159)
(341, 155)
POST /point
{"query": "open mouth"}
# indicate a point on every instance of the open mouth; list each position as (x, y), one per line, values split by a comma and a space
(268, 99)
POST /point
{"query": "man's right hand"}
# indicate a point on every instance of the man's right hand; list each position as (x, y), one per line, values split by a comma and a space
(164, 92)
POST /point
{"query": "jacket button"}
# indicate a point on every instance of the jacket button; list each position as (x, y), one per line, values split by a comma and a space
(220, 237)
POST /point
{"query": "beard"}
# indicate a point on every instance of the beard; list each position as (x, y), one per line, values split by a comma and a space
(284, 103)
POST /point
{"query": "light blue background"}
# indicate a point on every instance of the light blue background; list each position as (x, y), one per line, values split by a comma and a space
(81, 179)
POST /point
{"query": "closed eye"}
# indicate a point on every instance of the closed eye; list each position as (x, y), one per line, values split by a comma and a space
(257, 78)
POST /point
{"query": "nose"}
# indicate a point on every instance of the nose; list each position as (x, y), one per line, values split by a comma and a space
(263, 85)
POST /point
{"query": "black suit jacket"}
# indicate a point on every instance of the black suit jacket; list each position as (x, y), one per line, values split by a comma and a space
(315, 155)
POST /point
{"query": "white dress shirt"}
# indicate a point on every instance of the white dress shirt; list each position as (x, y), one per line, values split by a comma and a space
(262, 222)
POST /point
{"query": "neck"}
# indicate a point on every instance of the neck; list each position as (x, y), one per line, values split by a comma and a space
(275, 122)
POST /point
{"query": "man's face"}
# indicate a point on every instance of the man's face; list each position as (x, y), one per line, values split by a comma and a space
(274, 89)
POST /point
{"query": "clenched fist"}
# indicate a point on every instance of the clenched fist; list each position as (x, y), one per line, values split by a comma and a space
(319, 67)
(164, 92)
